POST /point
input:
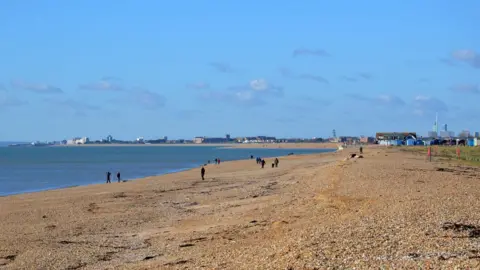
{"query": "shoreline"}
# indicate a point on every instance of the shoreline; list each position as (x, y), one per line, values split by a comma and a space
(222, 145)
(171, 172)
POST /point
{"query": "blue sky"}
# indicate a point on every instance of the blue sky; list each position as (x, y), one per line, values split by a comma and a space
(206, 68)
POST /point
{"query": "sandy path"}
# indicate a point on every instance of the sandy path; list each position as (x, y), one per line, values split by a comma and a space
(314, 212)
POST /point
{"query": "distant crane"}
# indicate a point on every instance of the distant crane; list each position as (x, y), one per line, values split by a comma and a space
(334, 132)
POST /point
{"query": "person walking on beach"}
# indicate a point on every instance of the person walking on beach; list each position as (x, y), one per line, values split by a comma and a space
(109, 174)
(218, 161)
(202, 173)
(276, 162)
(118, 177)
(263, 163)
(361, 150)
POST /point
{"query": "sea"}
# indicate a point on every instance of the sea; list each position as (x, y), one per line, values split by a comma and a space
(31, 169)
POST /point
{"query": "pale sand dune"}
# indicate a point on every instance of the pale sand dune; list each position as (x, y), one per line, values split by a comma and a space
(313, 212)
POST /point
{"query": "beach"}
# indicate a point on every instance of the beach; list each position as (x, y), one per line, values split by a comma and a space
(390, 209)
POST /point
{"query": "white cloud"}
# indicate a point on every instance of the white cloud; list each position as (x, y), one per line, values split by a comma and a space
(104, 84)
(40, 88)
(259, 85)
(466, 88)
(244, 95)
(467, 56)
(464, 55)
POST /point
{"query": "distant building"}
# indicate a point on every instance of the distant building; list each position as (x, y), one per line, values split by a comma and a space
(140, 140)
(349, 139)
(259, 139)
(477, 134)
(214, 140)
(464, 134)
(109, 138)
(380, 136)
(432, 134)
(78, 140)
(198, 139)
(447, 134)
(367, 139)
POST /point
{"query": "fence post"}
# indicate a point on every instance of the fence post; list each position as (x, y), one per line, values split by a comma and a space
(458, 152)
(429, 153)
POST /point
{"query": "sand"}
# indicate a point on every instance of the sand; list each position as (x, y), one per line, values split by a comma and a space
(390, 209)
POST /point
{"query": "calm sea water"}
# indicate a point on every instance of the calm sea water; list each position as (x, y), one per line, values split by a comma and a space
(29, 169)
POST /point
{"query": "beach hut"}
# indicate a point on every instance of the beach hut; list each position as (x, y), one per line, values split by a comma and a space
(410, 142)
(475, 142)
(419, 142)
(470, 142)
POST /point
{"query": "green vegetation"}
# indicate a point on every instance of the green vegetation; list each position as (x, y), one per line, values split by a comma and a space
(469, 155)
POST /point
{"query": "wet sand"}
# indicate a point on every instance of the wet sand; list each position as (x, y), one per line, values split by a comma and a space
(390, 209)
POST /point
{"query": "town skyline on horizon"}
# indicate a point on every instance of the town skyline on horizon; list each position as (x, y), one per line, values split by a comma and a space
(186, 69)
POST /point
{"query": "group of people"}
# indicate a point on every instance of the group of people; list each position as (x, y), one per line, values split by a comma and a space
(109, 176)
(262, 162)
(259, 160)
(217, 161)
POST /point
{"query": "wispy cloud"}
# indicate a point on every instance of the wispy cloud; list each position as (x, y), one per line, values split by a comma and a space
(287, 73)
(198, 85)
(466, 88)
(383, 100)
(466, 56)
(359, 76)
(365, 75)
(312, 77)
(106, 83)
(264, 87)
(426, 105)
(252, 94)
(311, 52)
(222, 67)
(40, 88)
(148, 99)
(348, 79)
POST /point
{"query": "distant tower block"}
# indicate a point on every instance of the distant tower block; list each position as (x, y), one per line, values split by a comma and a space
(445, 127)
(334, 132)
